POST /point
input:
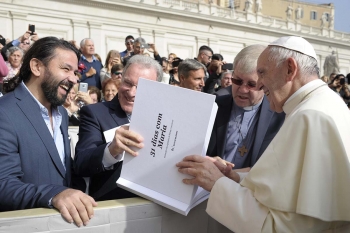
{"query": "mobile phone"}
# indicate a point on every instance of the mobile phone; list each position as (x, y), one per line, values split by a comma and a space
(145, 46)
(31, 27)
(227, 66)
(342, 81)
(3, 41)
(83, 87)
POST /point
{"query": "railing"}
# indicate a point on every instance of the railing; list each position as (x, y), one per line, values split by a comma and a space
(199, 6)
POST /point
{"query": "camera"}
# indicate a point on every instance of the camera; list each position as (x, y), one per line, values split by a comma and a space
(31, 27)
(342, 81)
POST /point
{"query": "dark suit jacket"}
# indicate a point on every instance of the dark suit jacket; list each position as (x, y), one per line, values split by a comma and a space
(268, 125)
(31, 171)
(94, 120)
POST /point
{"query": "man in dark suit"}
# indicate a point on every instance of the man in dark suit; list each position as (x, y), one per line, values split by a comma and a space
(244, 124)
(102, 160)
(35, 162)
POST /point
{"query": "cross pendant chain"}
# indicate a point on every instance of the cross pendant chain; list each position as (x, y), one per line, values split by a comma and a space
(242, 150)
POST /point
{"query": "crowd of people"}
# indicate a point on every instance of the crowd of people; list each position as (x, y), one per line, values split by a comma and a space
(270, 99)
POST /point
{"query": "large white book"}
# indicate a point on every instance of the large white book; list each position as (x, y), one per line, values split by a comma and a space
(174, 122)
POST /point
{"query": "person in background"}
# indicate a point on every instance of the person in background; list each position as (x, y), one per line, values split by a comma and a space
(192, 74)
(15, 56)
(225, 79)
(117, 71)
(3, 71)
(129, 42)
(214, 70)
(325, 78)
(89, 66)
(23, 42)
(113, 57)
(110, 89)
(95, 94)
(171, 57)
(98, 57)
(174, 75)
(340, 86)
(166, 67)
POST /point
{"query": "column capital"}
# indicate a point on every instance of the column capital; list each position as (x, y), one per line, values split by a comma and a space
(19, 15)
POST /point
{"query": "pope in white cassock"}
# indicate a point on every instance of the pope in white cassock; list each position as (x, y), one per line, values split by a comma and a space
(302, 181)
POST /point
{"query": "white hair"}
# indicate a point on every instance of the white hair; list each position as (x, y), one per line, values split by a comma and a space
(145, 62)
(82, 42)
(307, 65)
(247, 58)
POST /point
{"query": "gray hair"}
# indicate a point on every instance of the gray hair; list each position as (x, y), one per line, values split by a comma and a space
(307, 65)
(140, 40)
(145, 62)
(188, 65)
(13, 49)
(224, 73)
(247, 58)
(82, 42)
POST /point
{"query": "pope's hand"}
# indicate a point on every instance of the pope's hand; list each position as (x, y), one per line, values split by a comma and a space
(123, 140)
(205, 173)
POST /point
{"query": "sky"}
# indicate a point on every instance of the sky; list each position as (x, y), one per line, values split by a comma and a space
(341, 9)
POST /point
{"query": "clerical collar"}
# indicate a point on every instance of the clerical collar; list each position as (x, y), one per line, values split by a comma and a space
(250, 108)
(301, 89)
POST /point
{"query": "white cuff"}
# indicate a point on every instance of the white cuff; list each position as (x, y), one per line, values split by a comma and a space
(242, 175)
(108, 160)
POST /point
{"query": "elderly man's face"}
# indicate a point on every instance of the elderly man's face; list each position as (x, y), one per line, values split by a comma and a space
(226, 80)
(127, 89)
(194, 81)
(89, 48)
(271, 82)
(244, 89)
(138, 49)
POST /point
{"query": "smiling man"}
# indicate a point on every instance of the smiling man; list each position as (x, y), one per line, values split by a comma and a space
(101, 160)
(192, 74)
(301, 182)
(244, 124)
(35, 160)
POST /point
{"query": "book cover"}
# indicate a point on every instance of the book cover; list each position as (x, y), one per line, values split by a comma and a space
(174, 122)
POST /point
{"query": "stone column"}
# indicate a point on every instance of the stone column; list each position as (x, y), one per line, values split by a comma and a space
(19, 24)
(159, 40)
(95, 34)
(5, 20)
(80, 30)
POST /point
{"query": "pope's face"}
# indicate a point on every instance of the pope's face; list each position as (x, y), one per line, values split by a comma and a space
(271, 82)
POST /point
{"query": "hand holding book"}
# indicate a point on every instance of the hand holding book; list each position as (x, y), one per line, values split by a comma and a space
(125, 139)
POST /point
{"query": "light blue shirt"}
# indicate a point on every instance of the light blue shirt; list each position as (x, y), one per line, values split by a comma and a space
(56, 132)
(240, 132)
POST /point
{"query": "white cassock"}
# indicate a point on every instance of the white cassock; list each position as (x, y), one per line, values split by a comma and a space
(302, 181)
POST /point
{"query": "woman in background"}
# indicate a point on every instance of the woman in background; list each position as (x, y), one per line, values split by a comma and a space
(113, 57)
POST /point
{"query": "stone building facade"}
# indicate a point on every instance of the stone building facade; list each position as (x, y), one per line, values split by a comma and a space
(173, 25)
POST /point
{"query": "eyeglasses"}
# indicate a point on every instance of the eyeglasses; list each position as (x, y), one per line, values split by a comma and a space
(118, 73)
(209, 57)
(239, 82)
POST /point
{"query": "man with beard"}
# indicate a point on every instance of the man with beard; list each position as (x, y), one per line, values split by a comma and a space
(35, 161)
(102, 160)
